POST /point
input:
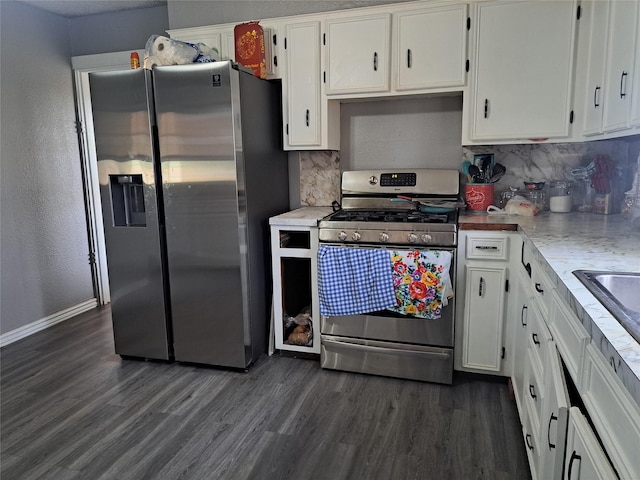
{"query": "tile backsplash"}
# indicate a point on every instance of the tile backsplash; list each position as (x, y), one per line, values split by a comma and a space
(320, 170)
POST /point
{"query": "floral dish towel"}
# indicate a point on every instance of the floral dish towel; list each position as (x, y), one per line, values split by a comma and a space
(422, 282)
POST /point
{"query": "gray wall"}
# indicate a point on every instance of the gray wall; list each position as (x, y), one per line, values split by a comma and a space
(197, 13)
(44, 249)
(43, 234)
(116, 32)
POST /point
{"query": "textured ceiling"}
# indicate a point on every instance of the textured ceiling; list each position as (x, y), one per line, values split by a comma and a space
(78, 8)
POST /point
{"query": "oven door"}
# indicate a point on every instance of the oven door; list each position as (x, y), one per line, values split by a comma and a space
(390, 344)
(393, 327)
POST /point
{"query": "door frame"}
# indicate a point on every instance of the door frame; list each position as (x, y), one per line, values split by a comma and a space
(82, 66)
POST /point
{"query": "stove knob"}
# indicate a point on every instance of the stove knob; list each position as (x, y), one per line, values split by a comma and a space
(412, 238)
(342, 236)
(355, 236)
(384, 237)
(373, 180)
(426, 238)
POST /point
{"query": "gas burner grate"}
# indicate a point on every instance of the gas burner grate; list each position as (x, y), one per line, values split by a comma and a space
(389, 216)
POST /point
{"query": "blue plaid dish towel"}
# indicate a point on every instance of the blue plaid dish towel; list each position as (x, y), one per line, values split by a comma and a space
(354, 280)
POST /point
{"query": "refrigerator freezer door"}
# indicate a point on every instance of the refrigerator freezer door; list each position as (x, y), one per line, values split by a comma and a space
(195, 114)
(130, 215)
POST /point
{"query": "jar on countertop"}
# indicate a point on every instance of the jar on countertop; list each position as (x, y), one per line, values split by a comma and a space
(509, 194)
(560, 198)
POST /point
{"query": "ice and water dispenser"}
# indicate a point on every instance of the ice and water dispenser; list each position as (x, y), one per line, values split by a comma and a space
(127, 200)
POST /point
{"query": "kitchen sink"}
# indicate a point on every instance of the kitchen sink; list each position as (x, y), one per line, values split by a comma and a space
(619, 292)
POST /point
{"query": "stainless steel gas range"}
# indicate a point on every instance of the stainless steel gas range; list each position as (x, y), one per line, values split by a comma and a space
(410, 217)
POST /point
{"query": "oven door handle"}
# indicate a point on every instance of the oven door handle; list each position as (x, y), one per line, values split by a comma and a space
(387, 350)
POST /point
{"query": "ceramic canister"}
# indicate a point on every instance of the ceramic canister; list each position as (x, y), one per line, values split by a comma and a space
(479, 195)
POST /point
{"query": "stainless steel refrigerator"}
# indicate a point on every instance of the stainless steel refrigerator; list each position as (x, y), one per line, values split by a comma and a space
(190, 168)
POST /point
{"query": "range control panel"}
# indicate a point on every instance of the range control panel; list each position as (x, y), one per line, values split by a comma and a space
(398, 180)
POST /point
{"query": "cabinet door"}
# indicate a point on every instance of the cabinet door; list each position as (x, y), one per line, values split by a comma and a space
(519, 342)
(594, 20)
(358, 54)
(584, 459)
(208, 36)
(620, 58)
(553, 420)
(523, 70)
(635, 98)
(483, 318)
(302, 85)
(613, 412)
(430, 49)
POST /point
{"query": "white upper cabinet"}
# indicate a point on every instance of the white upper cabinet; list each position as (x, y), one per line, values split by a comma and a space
(635, 99)
(607, 85)
(222, 38)
(593, 39)
(619, 71)
(302, 84)
(310, 121)
(358, 54)
(523, 69)
(430, 47)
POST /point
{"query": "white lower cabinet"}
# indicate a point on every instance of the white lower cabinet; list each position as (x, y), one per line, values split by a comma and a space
(584, 459)
(484, 303)
(614, 414)
(296, 313)
(518, 320)
(481, 310)
(553, 419)
(584, 425)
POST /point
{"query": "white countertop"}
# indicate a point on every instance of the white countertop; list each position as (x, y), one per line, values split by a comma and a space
(584, 241)
(305, 216)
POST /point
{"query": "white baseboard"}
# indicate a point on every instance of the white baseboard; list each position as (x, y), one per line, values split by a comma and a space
(38, 325)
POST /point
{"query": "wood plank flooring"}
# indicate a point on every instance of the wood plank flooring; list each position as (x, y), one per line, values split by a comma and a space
(72, 409)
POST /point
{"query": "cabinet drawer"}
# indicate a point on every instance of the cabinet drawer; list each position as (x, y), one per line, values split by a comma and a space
(531, 446)
(494, 248)
(615, 415)
(539, 338)
(542, 287)
(570, 336)
(533, 393)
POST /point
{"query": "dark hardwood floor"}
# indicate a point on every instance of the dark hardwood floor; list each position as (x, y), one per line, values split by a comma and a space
(72, 409)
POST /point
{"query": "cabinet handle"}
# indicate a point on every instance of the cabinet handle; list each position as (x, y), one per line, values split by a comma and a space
(612, 361)
(623, 79)
(551, 419)
(486, 247)
(375, 61)
(532, 391)
(528, 441)
(596, 97)
(539, 289)
(480, 287)
(408, 58)
(486, 108)
(307, 117)
(527, 267)
(524, 307)
(574, 456)
(534, 336)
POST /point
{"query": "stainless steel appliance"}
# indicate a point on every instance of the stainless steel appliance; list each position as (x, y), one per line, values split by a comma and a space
(372, 216)
(190, 170)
